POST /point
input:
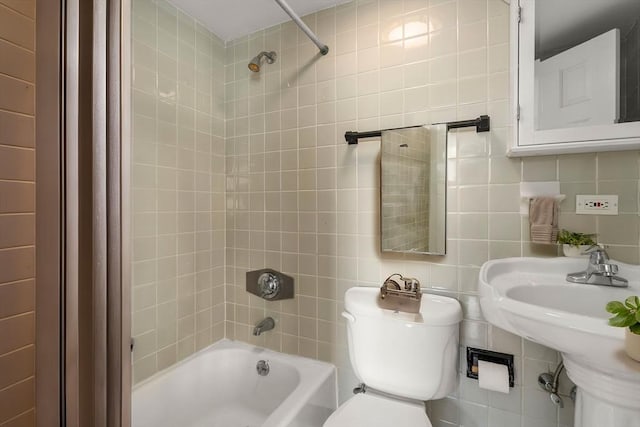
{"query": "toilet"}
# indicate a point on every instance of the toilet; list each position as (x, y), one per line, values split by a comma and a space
(402, 358)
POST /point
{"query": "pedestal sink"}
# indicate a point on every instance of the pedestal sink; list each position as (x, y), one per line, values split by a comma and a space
(531, 298)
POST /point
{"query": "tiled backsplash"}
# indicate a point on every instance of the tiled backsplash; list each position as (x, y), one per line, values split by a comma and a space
(178, 187)
(299, 200)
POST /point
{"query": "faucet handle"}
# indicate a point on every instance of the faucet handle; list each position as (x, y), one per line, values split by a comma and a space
(593, 248)
(598, 255)
(607, 270)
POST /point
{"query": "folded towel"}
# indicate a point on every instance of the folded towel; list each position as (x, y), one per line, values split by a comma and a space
(543, 219)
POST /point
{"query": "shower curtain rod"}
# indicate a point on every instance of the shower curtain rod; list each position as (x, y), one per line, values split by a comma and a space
(324, 49)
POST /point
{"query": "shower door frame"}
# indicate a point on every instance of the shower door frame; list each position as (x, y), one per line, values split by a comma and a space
(48, 215)
(83, 327)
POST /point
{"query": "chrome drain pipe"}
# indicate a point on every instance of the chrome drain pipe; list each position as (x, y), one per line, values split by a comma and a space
(361, 388)
(549, 383)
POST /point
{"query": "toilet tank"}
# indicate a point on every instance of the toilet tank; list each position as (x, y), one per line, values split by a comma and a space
(404, 354)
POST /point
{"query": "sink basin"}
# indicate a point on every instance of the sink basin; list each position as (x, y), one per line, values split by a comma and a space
(530, 297)
(563, 298)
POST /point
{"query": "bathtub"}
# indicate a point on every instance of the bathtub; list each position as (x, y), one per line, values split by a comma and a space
(220, 386)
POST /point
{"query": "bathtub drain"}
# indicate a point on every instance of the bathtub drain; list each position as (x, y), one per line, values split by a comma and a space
(262, 368)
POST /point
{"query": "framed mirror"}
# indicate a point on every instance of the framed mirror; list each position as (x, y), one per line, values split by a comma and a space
(576, 75)
(413, 190)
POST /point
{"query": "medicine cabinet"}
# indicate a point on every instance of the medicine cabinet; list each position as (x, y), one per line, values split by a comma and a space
(575, 76)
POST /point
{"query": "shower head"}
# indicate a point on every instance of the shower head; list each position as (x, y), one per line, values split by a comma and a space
(270, 57)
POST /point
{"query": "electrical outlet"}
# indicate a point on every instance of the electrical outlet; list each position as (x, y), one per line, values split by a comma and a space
(598, 204)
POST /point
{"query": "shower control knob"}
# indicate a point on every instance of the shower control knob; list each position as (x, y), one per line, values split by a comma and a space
(269, 285)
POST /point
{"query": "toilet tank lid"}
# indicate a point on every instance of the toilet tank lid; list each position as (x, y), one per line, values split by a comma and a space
(435, 310)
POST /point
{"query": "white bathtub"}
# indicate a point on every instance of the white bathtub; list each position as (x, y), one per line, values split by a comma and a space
(220, 387)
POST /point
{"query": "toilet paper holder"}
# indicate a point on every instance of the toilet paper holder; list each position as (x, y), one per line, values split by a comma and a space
(476, 354)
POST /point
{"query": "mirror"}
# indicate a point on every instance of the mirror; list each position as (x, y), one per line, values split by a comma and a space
(578, 75)
(413, 190)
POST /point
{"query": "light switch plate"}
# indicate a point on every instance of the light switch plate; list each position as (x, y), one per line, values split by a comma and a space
(597, 204)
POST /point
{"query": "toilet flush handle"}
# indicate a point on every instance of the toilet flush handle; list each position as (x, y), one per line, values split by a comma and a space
(348, 316)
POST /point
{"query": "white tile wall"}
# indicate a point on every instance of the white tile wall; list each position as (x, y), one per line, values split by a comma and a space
(311, 209)
(298, 199)
(178, 187)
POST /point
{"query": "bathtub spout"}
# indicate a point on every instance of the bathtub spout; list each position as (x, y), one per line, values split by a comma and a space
(265, 324)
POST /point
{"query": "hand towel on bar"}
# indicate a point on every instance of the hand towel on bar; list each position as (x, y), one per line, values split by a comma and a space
(543, 219)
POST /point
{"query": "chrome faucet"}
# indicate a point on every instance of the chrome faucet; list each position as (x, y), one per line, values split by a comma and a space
(265, 324)
(599, 271)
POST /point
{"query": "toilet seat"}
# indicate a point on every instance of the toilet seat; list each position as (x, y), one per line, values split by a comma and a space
(370, 410)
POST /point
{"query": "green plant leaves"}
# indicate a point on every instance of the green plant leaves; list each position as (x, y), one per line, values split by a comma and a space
(623, 320)
(616, 307)
(575, 239)
(632, 302)
(627, 314)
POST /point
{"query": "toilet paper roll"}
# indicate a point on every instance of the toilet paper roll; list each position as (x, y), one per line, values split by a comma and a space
(493, 376)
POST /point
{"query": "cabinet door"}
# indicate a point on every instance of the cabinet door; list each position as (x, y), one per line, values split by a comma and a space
(580, 86)
(571, 67)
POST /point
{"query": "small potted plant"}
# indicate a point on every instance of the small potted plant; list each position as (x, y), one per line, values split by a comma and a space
(627, 315)
(575, 244)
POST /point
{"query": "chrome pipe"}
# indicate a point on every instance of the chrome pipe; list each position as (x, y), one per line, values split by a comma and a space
(549, 383)
(324, 49)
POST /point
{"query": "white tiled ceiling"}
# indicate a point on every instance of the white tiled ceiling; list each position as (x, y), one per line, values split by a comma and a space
(230, 19)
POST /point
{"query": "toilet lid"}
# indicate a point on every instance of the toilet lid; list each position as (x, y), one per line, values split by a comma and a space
(368, 410)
